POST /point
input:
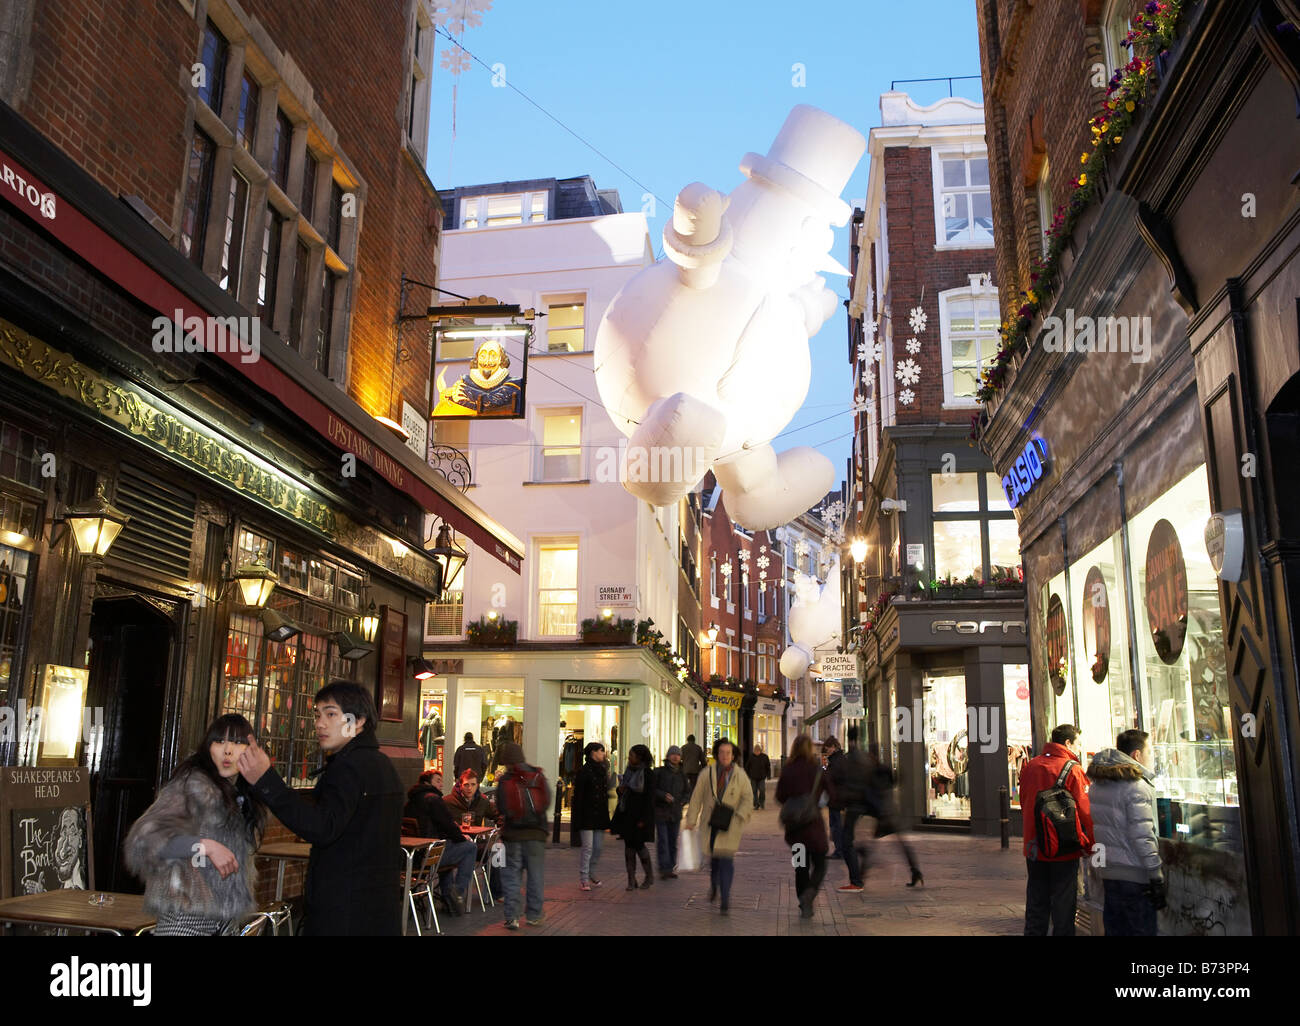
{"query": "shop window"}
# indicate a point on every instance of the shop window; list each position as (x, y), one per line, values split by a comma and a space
(233, 245)
(213, 58)
(557, 589)
(22, 455)
(957, 549)
(560, 452)
(955, 493)
(963, 207)
(495, 717)
(1020, 736)
(250, 94)
(595, 721)
(1183, 670)
(16, 569)
(943, 713)
(970, 514)
(198, 197)
(1098, 621)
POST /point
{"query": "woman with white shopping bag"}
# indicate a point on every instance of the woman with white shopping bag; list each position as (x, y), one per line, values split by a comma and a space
(722, 802)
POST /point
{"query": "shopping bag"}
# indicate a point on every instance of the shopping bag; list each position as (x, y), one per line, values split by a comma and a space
(688, 852)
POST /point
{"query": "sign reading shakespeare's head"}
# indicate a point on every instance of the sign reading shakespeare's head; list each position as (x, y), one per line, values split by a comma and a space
(1096, 623)
(1057, 644)
(1166, 592)
(486, 387)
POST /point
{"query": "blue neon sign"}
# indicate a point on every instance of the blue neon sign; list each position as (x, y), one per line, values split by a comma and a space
(1028, 470)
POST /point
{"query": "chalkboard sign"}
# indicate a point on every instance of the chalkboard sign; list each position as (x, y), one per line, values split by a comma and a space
(392, 665)
(45, 830)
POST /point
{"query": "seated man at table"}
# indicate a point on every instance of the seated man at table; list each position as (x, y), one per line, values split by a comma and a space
(353, 819)
(424, 804)
(467, 800)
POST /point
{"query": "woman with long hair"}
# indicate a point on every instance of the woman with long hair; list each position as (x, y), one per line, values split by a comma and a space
(802, 783)
(723, 801)
(634, 819)
(193, 847)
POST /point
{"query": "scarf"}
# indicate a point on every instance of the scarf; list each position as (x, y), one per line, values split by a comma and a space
(634, 779)
(724, 776)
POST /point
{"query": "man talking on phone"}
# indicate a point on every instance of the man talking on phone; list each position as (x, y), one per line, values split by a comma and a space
(353, 819)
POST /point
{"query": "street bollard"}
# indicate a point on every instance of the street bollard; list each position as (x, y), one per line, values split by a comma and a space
(1004, 804)
(559, 803)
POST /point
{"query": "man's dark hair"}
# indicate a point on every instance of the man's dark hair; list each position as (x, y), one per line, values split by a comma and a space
(830, 744)
(469, 737)
(690, 739)
(354, 699)
(1064, 732)
(1131, 741)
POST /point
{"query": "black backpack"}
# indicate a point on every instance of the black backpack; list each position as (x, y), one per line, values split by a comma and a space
(1056, 815)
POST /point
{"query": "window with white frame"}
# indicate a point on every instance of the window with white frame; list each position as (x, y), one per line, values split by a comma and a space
(565, 320)
(557, 588)
(446, 619)
(417, 109)
(497, 211)
(559, 455)
(1044, 196)
(963, 204)
(713, 576)
(968, 332)
(762, 601)
(1114, 29)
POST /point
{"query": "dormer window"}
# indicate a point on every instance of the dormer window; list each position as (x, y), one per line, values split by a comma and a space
(498, 211)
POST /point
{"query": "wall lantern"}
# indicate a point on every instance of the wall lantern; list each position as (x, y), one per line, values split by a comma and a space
(421, 668)
(256, 581)
(449, 557)
(350, 648)
(712, 634)
(278, 627)
(96, 525)
(858, 549)
(370, 624)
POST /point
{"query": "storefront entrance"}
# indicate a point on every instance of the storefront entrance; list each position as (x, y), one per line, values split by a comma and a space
(130, 655)
(597, 721)
(943, 711)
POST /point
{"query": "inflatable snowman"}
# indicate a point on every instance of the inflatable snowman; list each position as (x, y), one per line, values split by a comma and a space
(703, 358)
(814, 621)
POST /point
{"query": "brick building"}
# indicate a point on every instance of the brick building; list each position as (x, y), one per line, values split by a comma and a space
(942, 551)
(1143, 412)
(198, 325)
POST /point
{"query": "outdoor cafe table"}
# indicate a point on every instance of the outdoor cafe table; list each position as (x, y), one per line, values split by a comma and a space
(74, 910)
(282, 852)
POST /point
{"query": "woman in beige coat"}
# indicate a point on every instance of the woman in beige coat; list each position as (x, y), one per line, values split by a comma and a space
(725, 783)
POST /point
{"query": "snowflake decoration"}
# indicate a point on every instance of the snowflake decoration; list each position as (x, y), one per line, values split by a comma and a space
(456, 59)
(764, 563)
(878, 352)
(870, 327)
(906, 396)
(908, 372)
(726, 568)
(867, 376)
(863, 351)
(917, 319)
(859, 403)
(461, 12)
(801, 547)
(762, 549)
(913, 346)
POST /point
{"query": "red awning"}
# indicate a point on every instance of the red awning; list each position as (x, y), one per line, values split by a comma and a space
(113, 260)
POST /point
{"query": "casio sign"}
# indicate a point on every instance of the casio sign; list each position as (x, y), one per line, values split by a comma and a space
(974, 627)
(1027, 471)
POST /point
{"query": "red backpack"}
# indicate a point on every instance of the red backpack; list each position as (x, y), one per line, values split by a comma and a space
(522, 798)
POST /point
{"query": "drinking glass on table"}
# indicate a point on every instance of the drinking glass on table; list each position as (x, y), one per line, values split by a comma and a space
(467, 819)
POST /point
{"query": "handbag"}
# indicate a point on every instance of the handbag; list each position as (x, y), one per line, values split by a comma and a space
(720, 817)
(802, 810)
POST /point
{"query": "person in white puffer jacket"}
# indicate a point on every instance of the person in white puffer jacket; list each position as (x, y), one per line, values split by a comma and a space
(1123, 800)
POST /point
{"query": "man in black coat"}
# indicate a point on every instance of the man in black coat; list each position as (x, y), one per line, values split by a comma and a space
(692, 760)
(470, 756)
(759, 769)
(353, 821)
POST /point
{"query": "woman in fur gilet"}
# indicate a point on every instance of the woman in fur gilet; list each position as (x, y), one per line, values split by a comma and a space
(194, 846)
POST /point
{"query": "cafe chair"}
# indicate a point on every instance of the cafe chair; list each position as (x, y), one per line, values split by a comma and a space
(483, 867)
(254, 924)
(278, 914)
(424, 866)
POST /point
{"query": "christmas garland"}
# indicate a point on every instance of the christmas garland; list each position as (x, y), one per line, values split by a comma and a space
(1152, 32)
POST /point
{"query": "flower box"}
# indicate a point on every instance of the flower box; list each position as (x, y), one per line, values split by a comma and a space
(601, 632)
(965, 594)
(486, 633)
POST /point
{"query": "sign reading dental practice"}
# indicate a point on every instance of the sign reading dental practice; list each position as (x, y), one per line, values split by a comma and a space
(839, 667)
(610, 596)
(1026, 472)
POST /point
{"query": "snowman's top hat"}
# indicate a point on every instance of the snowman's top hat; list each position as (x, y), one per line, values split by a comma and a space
(813, 157)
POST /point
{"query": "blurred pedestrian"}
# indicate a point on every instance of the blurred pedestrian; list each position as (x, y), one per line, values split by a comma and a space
(888, 821)
(799, 790)
(834, 755)
(353, 818)
(671, 796)
(590, 811)
(193, 847)
(723, 801)
(692, 761)
(524, 796)
(759, 768)
(634, 819)
(852, 781)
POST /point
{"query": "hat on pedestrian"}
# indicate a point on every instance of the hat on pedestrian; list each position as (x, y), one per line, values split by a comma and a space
(512, 754)
(673, 750)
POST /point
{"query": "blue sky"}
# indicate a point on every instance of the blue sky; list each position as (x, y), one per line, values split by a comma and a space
(677, 92)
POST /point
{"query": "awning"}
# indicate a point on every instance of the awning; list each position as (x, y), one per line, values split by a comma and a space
(824, 711)
(118, 244)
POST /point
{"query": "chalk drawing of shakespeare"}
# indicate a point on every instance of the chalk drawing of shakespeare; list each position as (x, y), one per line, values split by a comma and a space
(486, 390)
(68, 846)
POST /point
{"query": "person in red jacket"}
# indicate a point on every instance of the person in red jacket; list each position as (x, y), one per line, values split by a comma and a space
(1053, 887)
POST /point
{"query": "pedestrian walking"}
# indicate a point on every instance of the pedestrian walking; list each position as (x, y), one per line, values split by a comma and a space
(671, 796)
(523, 796)
(834, 755)
(470, 756)
(634, 819)
(888, 821)
(353, 819)
(799, 790)
(854, 791)
(1058, 832)
(424, 804)
(193, 847)
(759, 768)
(466, 799)
(590, 811)
(723, 801)
(692, 761)
(1123, 805)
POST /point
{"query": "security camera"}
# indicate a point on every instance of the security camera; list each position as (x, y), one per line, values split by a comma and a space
(893, 506)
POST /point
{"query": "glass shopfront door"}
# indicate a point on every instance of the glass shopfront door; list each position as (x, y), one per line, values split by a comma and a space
(943, 713)
(596, 721)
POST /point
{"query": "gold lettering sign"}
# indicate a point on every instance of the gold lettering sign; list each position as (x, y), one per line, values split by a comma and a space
(163, 431)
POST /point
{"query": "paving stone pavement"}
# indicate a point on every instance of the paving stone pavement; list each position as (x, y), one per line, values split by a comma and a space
(972, 888)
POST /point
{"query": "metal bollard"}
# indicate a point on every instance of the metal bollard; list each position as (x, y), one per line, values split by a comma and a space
(559, 803)
(1004, 805)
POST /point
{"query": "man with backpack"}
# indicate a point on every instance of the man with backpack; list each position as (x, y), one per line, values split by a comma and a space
(523, 796)
(1058, 832)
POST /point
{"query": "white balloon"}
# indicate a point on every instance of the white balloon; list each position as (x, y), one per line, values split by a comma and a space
(814, 620)
(704, 355)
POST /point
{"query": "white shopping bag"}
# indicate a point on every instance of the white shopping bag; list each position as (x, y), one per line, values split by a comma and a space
(688, 852)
